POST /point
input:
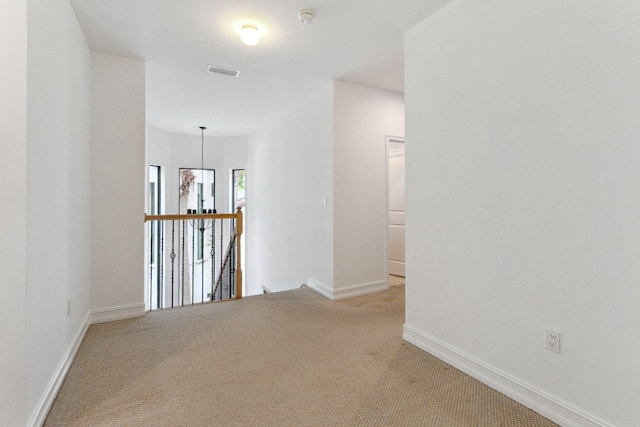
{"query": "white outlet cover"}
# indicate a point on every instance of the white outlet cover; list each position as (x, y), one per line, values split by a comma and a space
(552, 340)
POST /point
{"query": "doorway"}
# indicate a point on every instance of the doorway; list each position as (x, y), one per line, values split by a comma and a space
(396, 206)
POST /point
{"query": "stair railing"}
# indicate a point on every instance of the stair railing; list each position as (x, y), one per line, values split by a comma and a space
(186, 263)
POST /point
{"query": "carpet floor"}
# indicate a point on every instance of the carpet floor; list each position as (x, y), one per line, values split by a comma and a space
(284, 359)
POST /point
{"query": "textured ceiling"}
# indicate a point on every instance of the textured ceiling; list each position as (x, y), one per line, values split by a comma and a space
(360, 41)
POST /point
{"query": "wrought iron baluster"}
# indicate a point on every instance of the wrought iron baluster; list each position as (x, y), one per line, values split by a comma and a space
(223, 283)
(151, 266)
(213, 258)
(194, 255)
(232, 279)
(232, 271)
(173, 257)
(182, 261)
(161, 267)
(216, 291)
(202, 231)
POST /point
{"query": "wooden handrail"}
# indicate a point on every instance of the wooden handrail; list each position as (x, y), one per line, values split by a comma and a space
(186, 217)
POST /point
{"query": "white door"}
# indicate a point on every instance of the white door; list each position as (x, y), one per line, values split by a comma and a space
(395, 173)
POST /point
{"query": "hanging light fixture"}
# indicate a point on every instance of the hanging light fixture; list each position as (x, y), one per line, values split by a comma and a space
(203, 225)
(201, 207)
(200, 225)
(249, 34)
(202, 175)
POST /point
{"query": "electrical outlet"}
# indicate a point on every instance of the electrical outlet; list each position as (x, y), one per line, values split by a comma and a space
(553, 340)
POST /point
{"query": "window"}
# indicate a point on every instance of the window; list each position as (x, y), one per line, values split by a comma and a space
(194, 198)
(237, 189)
(197, 190)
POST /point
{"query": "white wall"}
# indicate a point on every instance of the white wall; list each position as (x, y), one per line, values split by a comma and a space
(50, 172)
(175, 151)
(289, 231)
(117, 186)
(331, 145)
(363, 118)
(45, 189)
(13, 212)
(158, 153)
(523, 200)
(57, 189)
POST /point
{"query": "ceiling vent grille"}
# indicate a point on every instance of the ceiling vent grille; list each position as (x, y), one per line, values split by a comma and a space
(219, 70)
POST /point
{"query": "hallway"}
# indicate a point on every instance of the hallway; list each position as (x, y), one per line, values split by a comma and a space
(290, 358)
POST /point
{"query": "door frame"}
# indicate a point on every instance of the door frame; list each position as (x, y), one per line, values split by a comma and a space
(388, 141)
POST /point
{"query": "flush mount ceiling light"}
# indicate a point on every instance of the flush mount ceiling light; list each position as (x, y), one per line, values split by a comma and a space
(249, 34)
(306, 16)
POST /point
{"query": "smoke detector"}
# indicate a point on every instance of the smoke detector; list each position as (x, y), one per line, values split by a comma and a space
(306, 16)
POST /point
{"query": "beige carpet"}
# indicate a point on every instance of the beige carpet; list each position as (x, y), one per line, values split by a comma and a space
(395, 280)
(284, 359)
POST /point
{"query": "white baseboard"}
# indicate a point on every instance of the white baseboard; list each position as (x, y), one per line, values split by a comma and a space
(117, 313)
(547, 406)
(349, 291)
(397, 268)
(39, 415)
(361, 289)
(320, 288)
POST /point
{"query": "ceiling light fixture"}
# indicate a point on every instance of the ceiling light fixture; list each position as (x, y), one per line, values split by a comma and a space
(306, 16)
(249, 34)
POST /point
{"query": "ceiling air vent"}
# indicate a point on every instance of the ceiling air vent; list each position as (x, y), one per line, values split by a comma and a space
(225, 71)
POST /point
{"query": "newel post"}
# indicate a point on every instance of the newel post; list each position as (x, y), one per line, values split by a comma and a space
(239, 222)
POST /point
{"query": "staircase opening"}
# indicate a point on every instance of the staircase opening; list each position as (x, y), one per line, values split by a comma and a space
(186, 278)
